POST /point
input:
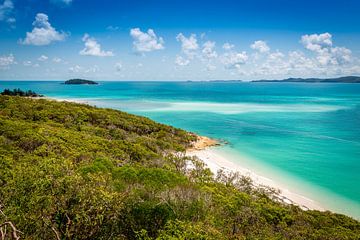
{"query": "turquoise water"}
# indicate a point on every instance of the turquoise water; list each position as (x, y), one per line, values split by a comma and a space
(306, 136)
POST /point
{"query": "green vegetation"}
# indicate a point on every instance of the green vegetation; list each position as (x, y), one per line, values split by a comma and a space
(72, 171)
(21, 93)
(80, 81)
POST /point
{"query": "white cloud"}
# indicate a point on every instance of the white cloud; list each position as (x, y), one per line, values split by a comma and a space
(30, 64)
(189, 45)
(326, 54)
(27, 63)
(93, 69)
(208, 50)
(233, 59)
(146, 41)
(6, 10)
(57, 60)
(317, 42)
(93, 48)
(83, 71)
(43, 33)
(334, 56)
(210, 67)
(228, 46)
(43, 58)
(276, 56)
(260, 46)
(118, 66)
(6, 61)
(181, 61)
(341, 55)
(75, 69)
(299, 62)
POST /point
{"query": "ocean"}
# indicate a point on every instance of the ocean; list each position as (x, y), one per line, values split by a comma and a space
(304, 135)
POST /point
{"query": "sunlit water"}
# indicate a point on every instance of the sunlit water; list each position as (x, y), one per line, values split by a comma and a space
(306, 136)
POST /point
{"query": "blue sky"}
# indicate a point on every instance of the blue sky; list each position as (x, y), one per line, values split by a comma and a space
(178, 40)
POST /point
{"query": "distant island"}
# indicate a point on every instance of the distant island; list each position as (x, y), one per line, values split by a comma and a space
(80, 81)
(348, 79)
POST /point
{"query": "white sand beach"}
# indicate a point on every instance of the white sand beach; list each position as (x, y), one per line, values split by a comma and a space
(205, 150)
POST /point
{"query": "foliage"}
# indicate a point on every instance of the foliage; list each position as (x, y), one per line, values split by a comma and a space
(72, 171)
(21, 93)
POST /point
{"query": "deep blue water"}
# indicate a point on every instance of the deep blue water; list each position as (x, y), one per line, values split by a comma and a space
(309, 133)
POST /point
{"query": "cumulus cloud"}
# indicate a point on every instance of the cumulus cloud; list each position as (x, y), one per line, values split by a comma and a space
(316, 42)
(30, 64)
(6, 61)
(75, 69)
(93, 69)
(208, 51)
(228, 46)
(81, 70)
(6, 9)
(43, 33)
(43, 58)
(326, 53)
(57, 60)
(181, 61)
(93, 48)
(27, 63)
(299, 63)
(276, 56)
(234, 60)
(334, 56)
(210, 67)
(146, 41)
(260, 46)
(189, 45)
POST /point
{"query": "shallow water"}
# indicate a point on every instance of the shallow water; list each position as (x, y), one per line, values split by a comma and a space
(304, 135)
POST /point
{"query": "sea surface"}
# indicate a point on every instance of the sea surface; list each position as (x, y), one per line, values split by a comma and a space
(305, 136)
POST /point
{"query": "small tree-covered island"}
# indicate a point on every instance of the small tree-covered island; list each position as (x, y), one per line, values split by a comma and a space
(73, 171)
(78, 81)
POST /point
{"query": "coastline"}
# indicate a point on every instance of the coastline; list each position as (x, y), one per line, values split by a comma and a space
(204, 149)
(211, 153)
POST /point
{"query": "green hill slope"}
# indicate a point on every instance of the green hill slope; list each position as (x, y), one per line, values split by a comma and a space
(71, 171)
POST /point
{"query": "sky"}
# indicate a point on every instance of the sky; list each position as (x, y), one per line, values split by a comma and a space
(178, 39)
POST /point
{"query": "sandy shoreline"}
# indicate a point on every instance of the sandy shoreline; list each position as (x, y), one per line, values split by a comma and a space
(205, 151)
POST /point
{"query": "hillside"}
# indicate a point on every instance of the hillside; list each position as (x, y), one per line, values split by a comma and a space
(348, 79)
(72, 171)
